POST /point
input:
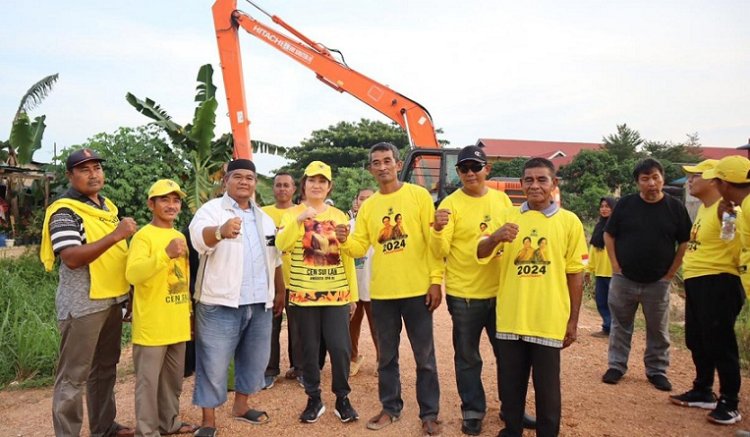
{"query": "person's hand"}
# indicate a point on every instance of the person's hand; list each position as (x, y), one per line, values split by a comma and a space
(309, 213)
(434, 297)
(571, 333)
(278, 304)
(724, 206)
(127, 316)
(342, 233)
(352, 309)
(126, 228)
(506, 234)
(176, 248)
(231, 228)
(441, 219)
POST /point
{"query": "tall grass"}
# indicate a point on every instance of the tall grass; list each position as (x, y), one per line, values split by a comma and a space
(29, 337)
(742, 329)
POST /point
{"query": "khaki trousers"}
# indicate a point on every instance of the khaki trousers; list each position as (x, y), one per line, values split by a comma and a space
(158, 384)
(89, 352)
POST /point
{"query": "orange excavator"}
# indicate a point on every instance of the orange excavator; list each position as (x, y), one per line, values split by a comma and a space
(426, 164)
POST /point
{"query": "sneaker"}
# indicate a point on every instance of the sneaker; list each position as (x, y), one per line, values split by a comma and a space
(741, 433)
(660, 382)
(612, 376)
(600, 334)
(695, 398)
(723, 414)
(471, 426)
(269, 383)
(313, 410)
(344, 410)
(355, 365)
(301, 381)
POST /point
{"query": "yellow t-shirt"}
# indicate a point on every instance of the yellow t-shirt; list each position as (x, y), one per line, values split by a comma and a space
(286, 257)
(707, 253)
(161, 301)
(397, 226)
(457, 243)
(599, 263)
(533, 297)
(743, 230)
(320, 274)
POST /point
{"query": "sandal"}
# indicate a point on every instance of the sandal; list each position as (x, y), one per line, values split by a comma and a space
(380, 421)
(117, 430)
(185, 428)
(206, 431)
(430, 427)
(254, 417)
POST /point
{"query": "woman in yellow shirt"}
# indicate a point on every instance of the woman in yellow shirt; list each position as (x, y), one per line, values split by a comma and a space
(322, 290)
(599, 265)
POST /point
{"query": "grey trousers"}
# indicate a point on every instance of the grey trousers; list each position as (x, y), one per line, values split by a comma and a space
(624, 297)
(89, 352)
(158, 385)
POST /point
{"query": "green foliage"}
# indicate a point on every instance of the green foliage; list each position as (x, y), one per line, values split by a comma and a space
(347, 183)
(624, 144)
(36, 94)
(508, 169)
(29, 337)
(136, 158)
(26, 136)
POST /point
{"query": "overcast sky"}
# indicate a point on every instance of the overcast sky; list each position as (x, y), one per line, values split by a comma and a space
(536, 70)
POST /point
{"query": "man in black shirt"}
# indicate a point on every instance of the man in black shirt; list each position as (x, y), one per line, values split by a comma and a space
(646, 237)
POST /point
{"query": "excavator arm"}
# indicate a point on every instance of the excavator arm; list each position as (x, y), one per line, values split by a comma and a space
(408, 114)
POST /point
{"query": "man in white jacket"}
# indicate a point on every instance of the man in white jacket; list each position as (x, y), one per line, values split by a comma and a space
(238, 288)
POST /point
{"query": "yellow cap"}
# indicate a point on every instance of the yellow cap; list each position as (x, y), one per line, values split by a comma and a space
(319, 168)
(734, 169)
(162, 187)
(700, 167)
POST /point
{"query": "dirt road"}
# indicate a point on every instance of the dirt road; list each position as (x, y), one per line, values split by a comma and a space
(590, 408)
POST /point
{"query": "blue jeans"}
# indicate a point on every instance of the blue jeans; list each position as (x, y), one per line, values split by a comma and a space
(387, 314)
(601, 295)
(222, 333)
(471, 317)
(624, 297)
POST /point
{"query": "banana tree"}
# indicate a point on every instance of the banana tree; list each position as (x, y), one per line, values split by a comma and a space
(196, 143)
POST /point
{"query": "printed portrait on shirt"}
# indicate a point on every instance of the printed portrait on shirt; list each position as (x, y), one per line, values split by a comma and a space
(393, 233)
(533, 251)
(693, 243)
(319, 244)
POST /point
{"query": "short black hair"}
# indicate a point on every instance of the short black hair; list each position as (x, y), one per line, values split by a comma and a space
(284, 173)
(384, 147)
(646, 166)
(539, 162)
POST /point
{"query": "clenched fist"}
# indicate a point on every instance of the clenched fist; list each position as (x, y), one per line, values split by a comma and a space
(342, 232)
(231, 228)
(442, 216)
(126, 228)
(507, 233)
(176, 248)
(309, 213)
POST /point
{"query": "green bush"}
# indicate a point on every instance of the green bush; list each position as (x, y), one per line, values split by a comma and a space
(29, 337)
(742, 329)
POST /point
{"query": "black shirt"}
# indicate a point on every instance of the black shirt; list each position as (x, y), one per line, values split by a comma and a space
(647, 234)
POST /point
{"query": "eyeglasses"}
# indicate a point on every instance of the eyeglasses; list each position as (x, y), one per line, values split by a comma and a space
(475, 167)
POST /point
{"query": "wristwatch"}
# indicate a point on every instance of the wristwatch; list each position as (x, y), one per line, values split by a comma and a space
(217, 234)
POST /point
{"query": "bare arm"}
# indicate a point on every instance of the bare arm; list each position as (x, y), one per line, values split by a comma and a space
(507, 233)
(575, 290)
(609, 243)
(280, 292)
(677, 262)
(78, 256)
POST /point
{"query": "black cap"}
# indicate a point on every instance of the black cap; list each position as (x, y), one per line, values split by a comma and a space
(80, 156)
(472, 153)
(241, 164)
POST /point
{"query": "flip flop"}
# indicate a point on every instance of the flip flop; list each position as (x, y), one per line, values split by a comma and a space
(185, 428)
(206, 431)
(118, 430)
(375, 423)
(254, 417)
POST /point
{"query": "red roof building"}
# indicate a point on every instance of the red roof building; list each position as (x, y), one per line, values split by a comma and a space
(559, 152)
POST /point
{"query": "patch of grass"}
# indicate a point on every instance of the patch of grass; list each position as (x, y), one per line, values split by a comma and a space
(742, 329)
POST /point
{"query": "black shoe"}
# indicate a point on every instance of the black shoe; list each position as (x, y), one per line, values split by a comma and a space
(660, 382)
(612, 376)
(529, 422)
(471, 426)
(724, 414)
(313, 411)
(695, 398)
(344, 410)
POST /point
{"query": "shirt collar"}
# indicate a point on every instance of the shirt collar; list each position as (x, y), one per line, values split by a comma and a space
(548, 211)
(229, 203)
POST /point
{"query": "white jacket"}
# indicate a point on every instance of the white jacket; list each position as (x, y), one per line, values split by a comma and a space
(220, 273)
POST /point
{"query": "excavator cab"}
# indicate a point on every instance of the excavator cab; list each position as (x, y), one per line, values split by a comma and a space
(434, 169)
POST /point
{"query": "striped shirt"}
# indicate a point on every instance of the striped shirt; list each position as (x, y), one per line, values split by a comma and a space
(66, 230)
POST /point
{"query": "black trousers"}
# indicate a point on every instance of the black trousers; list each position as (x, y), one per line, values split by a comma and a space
(515, 361)
(711, 307)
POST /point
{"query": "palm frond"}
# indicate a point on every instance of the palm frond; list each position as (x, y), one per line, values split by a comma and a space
(36, 94)
(271, 149)
(206, 88)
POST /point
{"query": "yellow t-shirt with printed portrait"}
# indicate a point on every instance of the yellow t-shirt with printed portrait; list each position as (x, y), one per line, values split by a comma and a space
(707, 253)
(533, 297)
(161, 299)
(457, 243)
